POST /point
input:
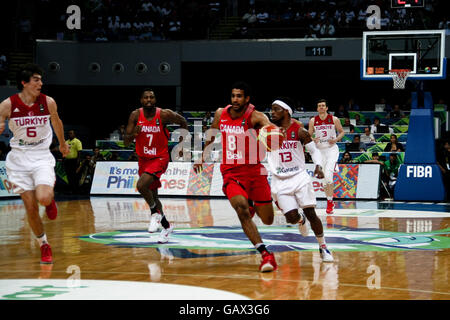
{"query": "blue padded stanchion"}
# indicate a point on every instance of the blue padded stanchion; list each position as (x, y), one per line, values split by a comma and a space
(419, 177)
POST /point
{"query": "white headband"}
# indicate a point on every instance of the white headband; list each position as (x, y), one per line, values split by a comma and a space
(283, 105)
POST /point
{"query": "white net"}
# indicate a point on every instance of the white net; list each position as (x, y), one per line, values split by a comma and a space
(399, 76)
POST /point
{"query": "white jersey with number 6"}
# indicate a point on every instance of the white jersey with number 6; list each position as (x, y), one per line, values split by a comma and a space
(30, 125)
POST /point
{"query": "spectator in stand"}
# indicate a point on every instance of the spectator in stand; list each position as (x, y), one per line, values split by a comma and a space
(250, 17)
(327, 29)
(375, 127)
(85, 172)
(262, 17)
(311, 34)
(387, 106)
(375, 159)
(390, 172)
(394, 145)
(396, 113)
(358, 119)
(341, 112)
(349, 15)
(351, 105)
(367, 137)
(347, 126)
(208, 118)
(356, 145)
(346, 157)
(97, 156)
(118, 133)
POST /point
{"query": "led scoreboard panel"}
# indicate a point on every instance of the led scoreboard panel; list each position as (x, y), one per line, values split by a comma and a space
(407, 3)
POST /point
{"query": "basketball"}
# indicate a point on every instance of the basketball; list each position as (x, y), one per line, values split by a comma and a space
(271, 137)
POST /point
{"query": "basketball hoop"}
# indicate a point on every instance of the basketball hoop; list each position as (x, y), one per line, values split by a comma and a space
(399, 76)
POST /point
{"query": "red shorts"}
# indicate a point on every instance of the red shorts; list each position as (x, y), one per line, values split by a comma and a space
(154, 166)
(250, 182)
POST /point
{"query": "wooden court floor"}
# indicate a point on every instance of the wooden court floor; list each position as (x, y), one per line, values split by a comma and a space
(382, 251)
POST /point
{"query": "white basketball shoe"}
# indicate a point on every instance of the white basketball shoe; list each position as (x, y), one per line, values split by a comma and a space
(303, 226)
(155, 222)
(164, 235)
(325, 254)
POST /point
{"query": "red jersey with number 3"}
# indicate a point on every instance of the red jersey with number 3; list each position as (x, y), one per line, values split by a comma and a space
(30, 125)
(153, 140)
(240, 146)
(324, 130)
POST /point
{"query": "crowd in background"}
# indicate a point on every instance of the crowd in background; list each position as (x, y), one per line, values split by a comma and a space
(156, 20)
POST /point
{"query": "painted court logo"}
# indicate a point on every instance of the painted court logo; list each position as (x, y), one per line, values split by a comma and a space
(279, 239)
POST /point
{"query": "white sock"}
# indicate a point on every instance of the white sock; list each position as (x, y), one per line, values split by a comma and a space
(42, 240)
(321, 241)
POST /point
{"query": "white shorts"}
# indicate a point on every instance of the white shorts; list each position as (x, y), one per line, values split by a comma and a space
(293, 192)
(330, 158)
(28, 169)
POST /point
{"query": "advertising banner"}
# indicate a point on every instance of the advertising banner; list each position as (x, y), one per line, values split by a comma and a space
(352, 181)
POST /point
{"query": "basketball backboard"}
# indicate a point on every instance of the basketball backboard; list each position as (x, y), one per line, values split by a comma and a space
(421, 51)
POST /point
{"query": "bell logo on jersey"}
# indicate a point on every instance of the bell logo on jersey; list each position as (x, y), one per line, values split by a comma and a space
(234, 156)
(150, 151)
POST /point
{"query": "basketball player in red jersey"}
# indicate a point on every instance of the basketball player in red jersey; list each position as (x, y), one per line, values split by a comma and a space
(291, 184)
(244, 177)
(324, 127)
(30, 164)
(148, 126)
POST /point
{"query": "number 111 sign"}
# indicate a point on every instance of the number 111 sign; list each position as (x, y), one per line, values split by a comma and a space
(407, 3)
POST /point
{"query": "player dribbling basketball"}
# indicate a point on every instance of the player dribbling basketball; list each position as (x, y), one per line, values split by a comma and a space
(291, 185)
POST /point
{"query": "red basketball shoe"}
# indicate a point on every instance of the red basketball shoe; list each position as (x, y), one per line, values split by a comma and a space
(46, 254)
(268, 262)
(51, 210)
(330, 207)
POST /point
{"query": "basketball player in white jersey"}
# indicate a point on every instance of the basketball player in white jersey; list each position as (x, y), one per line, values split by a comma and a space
(29, 164)
(323, 128)
(291, 184)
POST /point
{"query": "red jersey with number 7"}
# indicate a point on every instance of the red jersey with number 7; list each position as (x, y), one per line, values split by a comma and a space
(153, 140)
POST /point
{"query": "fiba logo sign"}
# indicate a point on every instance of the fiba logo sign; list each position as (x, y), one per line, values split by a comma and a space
(419, 172)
